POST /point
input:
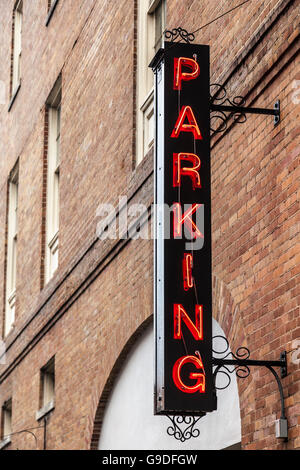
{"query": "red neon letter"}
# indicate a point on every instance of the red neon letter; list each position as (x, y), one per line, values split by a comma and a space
(187, 265)
(199, 377)
(192, 126)
(180, 76)
(180, 314)
(180, 219)
(192, 172)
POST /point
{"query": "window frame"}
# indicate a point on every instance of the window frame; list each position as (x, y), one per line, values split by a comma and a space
(12, 251)
(5, 434)
(47, 389)
(53, 106)
(146, 49)
(16, 56)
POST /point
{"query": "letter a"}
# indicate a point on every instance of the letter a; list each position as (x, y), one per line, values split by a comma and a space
(192, 126)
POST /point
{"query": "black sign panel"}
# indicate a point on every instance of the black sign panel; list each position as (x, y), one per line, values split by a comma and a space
(183, 291)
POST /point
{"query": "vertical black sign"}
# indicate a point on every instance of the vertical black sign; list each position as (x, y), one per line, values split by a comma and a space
(183, 291)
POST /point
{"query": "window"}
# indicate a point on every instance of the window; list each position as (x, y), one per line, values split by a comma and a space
(12, 241)
(151, 24)
(48, 383)
(17, 47)
(158, 10)
(53, 166)
(47, 391)
(6, 428)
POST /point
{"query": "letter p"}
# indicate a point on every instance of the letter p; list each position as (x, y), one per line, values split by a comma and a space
(180, 76)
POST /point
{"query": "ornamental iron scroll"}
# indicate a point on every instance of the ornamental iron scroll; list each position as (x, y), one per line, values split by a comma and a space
(219, 104)
(180, 33)
(223, 108)
(242, 371)
(242, 363)
(183, 427)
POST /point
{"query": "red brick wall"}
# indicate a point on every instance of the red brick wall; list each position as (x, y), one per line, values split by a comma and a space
(102, 292)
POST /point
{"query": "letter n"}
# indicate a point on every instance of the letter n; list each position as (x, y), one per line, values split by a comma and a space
(181, 315)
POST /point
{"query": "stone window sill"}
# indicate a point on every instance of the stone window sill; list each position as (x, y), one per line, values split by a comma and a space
(45, 410)
(5, 442)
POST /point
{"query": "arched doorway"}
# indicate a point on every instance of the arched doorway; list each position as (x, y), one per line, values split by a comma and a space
(128, 420)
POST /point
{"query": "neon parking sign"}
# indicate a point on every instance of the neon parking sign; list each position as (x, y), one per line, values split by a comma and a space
(183, 286)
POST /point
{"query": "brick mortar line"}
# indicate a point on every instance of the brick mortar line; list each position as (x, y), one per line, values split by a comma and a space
(62, 67)
(133, 195)
(110, 382)
(236, 64)
(216, 138)
(255, 41)
(250, 48)
(75, 265)
(84, 285)
(234, 70)
(76, 293)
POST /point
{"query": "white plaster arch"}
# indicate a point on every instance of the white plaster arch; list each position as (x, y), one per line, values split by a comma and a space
(129, 423)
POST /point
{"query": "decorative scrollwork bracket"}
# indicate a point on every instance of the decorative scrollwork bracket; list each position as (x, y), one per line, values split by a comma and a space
(222, 108)
(241, 363)
(180, 33)
(183, 427)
